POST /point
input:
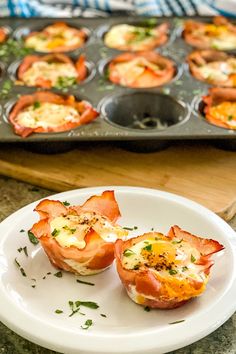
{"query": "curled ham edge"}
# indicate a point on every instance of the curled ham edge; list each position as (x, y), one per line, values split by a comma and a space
(97, 253)
(76, 32)
(200, 58)
(157, 78)
(203, 41)
(218, 95)
(29, 60)
(145, 281)
(85, 110)
(3, 34)
(155, 41)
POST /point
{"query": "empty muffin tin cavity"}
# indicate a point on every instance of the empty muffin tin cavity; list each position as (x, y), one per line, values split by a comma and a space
(90, 66)
(146, 111)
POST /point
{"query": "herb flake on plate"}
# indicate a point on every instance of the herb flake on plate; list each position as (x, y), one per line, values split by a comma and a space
(176, 322)
(87, 324)
(84, 282)
(32, 238)
(58, 274)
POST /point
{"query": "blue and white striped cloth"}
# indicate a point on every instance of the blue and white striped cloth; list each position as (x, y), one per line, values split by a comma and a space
(88, 8)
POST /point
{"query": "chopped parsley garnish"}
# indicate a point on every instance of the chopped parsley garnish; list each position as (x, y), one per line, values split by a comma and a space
(141, 33)
(90, 304)
(25, 251)
(6, 89)
(21, 268)
(87, 324)
(149, 22)
(22, 230)
(103, 315)
(128, 253)
(148, 248)
(32, 238)
(75, 306)
(184, 268)
(13, 48)
(84, 282)
(36, 105)
(33, 286)
(176, 242)
(64, 82)
(67, 228)
(128, 228)
(20, 249)
(230, 117)
(175, 322)
(58, 311)
(65, 203)
(172, 272)
(58, 274)
(152, 229)
(147, 309)
(193, 259)
(55, 232)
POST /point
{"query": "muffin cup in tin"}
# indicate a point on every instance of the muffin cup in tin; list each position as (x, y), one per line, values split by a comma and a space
(90, 66)
(184, 121)
(101, 31)
(23, 31)
(103, 68)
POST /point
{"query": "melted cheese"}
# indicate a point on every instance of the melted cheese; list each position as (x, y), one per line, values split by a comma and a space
(130, 71)
(224, 42)
(47, 115)
(48, 71)
(73, 228)
(225, 112)
(122, 35)
(52, 38)
(165, 258)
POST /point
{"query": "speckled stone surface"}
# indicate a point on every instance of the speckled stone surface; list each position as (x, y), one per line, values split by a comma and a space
(15, 195)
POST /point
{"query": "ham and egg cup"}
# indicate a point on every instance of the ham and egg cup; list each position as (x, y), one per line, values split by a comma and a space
(51, 70)
(220, 35)
(44, 112)
(165, 272)
(220, 107)
(136, 38)
(79, 239)
(213, 67)
(3, 34)
(141, 70)
(58, 37)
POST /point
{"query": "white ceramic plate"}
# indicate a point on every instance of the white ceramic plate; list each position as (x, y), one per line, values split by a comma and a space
(127, 327)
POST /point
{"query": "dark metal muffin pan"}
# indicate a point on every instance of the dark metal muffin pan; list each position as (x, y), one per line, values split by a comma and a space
(146, 116)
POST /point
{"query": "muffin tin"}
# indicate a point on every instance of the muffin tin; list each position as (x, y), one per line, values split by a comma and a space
(146, 116)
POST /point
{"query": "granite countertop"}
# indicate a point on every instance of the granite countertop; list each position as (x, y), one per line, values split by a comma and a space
(15, 195)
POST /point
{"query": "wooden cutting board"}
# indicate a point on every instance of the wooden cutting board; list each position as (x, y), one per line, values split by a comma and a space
(199, 172)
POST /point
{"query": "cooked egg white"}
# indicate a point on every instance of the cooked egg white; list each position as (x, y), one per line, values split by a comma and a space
(47, 115)
(82, 269)
(165, 258)
(48, 71)
(71, 229)
(121, 35)
(129, 71)
(53, 38)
